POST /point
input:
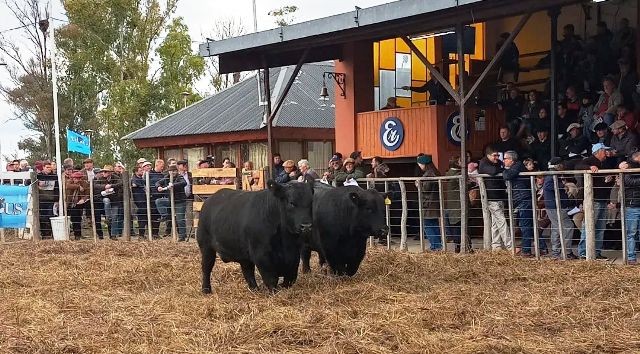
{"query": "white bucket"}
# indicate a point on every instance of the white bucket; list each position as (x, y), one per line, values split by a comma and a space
(60, 228)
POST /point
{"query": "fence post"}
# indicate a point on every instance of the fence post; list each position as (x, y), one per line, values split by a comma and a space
(486, 218)
(623, 222)
(420, 217)
(147, 190)
(563, 247)
(534, 209)
(126, 205)
(464, 209)
(512, 226)
(388, 216)
(93, 211)
(403, 220)
(589, 222)
(35, 208)
(174, 232)
(443, 228)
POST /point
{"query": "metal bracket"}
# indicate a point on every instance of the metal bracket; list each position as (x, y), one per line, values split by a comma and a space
(339, 78)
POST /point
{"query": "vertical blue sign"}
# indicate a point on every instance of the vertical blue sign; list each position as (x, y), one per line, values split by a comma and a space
(77, 142)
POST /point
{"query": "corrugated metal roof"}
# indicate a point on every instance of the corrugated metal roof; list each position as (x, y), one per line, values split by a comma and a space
(236, 108)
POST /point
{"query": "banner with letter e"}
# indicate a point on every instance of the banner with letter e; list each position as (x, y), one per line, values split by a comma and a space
(77, 142)
(13, 206)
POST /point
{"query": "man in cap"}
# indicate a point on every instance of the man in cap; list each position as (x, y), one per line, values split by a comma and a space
(430, 202)
(551, 208)
(139, 194)
(601, 134)
(88, 170)
(289, 172)
(334, 166)
(575, 145)
(118, 168)
(109, 187)
(601, 196)
(623, 143)
(140, 161)
(77, 195)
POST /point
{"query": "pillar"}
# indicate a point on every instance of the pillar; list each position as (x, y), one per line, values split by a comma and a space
(357, 65)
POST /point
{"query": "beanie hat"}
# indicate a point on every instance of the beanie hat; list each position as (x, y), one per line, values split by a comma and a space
(424, 159)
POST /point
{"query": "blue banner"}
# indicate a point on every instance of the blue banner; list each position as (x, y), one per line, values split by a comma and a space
(13, 206)
(77, 142)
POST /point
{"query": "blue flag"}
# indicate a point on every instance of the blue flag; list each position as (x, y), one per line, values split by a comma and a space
(13, 206)
(78, 143)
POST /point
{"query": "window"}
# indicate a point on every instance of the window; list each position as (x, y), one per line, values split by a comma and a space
(193, 155)
(290, 150)
(258, 155)
(319, 154)
(173, 154)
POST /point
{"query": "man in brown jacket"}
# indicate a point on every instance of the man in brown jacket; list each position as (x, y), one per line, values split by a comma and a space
(77, 194)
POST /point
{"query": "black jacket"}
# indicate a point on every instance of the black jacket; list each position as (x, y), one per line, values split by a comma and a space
(632, 187)
(154, 177)
(138, 191)
(49, 191)
(495, 185)
(601, 189)
(572, 147)
(541, 153)
(115, 180)
(178, 187)
(520, 185)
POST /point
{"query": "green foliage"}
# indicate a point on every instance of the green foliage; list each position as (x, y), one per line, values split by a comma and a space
(284, 15)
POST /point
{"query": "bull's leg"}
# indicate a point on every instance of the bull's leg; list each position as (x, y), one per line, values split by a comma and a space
(249, 272)
(290, 276)
(351, 268)
(269, 275)
(208, 261)
(305, 255)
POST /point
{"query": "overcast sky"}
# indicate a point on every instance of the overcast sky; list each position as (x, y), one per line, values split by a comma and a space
(200, 16)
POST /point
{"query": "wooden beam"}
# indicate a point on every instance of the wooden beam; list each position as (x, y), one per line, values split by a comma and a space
(494, 60)
(292, 79)
(436, 74)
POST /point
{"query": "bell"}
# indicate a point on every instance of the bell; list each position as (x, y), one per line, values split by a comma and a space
(324, 93)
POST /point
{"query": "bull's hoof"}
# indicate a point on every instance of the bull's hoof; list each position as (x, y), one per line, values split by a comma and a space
(206, 290)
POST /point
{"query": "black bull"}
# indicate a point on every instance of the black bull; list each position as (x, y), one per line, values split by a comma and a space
(256, 229)
(343, 219)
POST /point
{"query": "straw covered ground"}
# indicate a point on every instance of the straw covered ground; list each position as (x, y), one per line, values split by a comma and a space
(139, 297)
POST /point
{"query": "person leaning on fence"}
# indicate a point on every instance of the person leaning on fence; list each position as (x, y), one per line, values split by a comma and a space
(334, 166)
(288, 173)
(179, 200)
(49, 192)
(566, 203)
(430, 202)
(77, 195)
(109, 187)
(601, 196)
(452, 203)
(492, 166)
(521, 191)
(306, 171)
(632, 204)
(623, 142)
(348, 172)
(138, 192)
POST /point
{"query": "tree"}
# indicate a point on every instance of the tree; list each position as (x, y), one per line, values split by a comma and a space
(284, 15)
(223, 29)
(108, 52)
(30, 90)
(180, 68)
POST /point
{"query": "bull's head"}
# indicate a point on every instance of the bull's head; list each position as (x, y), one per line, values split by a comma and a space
(297, 199)
(371, 211)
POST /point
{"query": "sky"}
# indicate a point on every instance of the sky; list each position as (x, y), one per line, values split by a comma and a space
(199, 15)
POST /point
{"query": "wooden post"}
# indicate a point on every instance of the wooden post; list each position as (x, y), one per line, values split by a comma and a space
(126, 205)
(387, 209)
(174, 229)
(556, 191)
(486, 218)
(93, 212)
(403, 219)
(534, 208)
(35, 208)
(443, 228)
(589, 222)
(623, 222)
(421, 217)
(147, 190)
(512, 226)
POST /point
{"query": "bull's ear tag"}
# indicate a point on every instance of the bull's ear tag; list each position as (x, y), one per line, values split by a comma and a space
(387, 201)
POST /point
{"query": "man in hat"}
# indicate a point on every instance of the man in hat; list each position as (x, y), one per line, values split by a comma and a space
(623, 143)
(601, 134)
(140, 161)
(334, 167)
(108, 186)
(430, 202)
(575, 145)
(88, 170)
(118, 168)
(49, 193)
(289, 172)
(601, 196)
(77, 196)
(551, 208)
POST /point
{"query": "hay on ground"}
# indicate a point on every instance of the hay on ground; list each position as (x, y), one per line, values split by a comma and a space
(131, 297)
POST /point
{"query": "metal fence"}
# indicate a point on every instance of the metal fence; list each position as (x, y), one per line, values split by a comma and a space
(563, 214)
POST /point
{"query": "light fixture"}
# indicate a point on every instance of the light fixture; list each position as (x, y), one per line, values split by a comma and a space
(439, 33)
(339, 78)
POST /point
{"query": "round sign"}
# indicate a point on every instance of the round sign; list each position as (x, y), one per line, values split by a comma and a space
(391, 133)
(454, 127)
